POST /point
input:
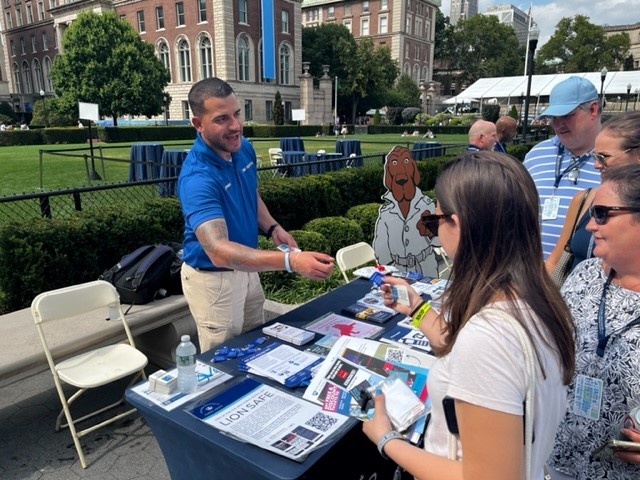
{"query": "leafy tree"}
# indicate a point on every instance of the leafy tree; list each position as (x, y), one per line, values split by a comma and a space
(580, 46)
(324, 45)
(444, 41)
(513, 113)
(405, 94)
(7, 114)
(55, 114)
(491, 113)
(278, 110)
(483, 47)
(376, 118)
(104, 61)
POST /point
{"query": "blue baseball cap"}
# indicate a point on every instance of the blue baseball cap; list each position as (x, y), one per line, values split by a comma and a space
(568, 94)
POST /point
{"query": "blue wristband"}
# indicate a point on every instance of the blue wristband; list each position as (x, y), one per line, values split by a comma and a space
(287, 265)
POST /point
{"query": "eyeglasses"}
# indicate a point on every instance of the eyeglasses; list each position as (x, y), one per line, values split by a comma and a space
(432, 222)
(603, 159)
(601, 213)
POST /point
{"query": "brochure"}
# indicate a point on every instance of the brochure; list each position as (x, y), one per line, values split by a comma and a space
(407, 335)
(339, 325)
(269, 418)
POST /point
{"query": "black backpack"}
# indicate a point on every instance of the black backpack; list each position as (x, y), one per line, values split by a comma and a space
(142, 275)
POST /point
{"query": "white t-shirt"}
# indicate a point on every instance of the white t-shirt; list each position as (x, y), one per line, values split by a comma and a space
(486, 367)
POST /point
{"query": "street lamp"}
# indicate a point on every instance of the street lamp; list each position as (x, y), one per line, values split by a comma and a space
(44, 105)
(637, 92)
(534, 33)
(603, 75)
(165, 98)
(626, 106)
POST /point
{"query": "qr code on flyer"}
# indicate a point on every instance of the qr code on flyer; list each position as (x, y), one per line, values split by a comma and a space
(321, 421)
(395, 355)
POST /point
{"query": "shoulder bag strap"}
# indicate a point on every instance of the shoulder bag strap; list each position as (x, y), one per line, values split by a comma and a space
(575, 221)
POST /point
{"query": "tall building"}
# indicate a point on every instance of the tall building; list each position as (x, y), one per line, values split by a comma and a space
(633, 30)
(514, 17)
(462, 10)
(406, 27)
(194, 40)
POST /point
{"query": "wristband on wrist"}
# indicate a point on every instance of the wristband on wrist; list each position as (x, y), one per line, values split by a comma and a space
(287, 265)
(293, 263)
(271, 229)
(384, 439)
(419, 312)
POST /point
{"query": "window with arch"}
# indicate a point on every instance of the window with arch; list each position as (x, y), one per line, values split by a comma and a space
(206, 57)
(17, 79)
(407, 69)
(416, 74)
(47, 74)
(26, 76)
(165, 58)
(243, 58)
(285, 65)
(37, 75)
(184, 60)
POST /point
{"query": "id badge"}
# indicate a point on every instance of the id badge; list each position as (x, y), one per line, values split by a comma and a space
(588, 400)
(550, 208)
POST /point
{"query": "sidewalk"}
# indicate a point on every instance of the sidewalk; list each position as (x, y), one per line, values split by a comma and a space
(31, 449)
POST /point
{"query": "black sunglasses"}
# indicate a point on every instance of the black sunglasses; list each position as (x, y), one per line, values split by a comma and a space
(432, 222)
(601, 213)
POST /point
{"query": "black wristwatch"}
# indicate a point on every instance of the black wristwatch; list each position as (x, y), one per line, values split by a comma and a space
(271, 229)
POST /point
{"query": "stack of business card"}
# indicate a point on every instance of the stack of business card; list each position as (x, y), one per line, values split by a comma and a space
(288, 333)
(163, 382)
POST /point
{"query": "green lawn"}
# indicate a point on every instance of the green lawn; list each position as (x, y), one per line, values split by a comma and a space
(20, 170)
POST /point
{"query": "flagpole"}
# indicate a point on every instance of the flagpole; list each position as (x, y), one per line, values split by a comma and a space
(526, 55)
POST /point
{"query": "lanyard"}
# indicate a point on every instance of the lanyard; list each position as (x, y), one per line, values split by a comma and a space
(576, 164)
(603, 338)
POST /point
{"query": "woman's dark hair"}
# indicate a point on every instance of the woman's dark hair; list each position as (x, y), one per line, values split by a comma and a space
(499, 253)
(207, 88)
(626, 183)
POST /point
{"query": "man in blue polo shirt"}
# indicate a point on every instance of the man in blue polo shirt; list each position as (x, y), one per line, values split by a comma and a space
(223, 212)
(563, 164)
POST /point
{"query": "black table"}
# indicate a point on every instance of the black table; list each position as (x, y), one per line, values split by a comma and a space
(422, 150)
(194, 450)
(145, 158)
(291, 144)
(348, 148)
(172, 159)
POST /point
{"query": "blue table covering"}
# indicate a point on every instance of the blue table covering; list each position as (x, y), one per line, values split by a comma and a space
(293, 158)
(145, 159)
(172, 159)
(292, 144)
(349, 147)
(194, 450)
(422, 150)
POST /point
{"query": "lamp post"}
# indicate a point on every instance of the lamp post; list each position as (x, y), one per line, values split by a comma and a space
(626, 106)
(44, 105)
(165, 98)
(533, 43)
(635, 100)
(603, 76)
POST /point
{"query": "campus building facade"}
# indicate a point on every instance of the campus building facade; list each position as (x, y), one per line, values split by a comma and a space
(462, 10)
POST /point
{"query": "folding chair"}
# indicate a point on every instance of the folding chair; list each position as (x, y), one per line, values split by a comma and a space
(275, 158)
(351, 160)
(86, 302)
(353, 256)
(444, 258)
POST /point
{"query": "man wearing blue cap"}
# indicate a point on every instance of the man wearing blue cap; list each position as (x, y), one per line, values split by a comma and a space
(563, 165)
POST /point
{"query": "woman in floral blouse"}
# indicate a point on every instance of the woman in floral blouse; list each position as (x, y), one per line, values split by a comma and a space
(604, 297)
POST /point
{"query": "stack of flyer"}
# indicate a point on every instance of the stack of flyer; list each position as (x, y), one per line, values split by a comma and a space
(284, 364)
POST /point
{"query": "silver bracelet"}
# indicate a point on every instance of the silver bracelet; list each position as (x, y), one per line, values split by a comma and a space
(390, 435)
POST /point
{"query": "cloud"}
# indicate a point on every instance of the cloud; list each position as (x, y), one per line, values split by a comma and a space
(547, 14)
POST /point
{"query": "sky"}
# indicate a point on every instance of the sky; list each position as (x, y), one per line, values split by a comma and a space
(547, 13)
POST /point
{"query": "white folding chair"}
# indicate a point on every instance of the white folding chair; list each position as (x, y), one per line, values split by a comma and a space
(444, 258)
(351, 160)
(275, 159)
(92, 301)
(353, 256)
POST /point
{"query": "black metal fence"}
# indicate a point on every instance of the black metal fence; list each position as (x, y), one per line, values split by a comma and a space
(63, 203)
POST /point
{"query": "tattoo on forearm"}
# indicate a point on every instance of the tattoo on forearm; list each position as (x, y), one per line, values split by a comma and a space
(212, 232)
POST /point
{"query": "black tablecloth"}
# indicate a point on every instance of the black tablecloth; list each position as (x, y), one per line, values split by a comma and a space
(292, 144)
(349, 147)
(422, 150)
(145, 158)
(172, 159)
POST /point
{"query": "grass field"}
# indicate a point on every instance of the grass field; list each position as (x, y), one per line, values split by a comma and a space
(28, 169)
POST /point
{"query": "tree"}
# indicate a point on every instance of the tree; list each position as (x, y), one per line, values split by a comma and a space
(55, 115)
(324, 45)
(483, 47)
(104, 61)
(278, 110)
(405, 93)
(577, 45)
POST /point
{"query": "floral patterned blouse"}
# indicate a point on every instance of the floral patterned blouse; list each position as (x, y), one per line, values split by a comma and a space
(578, 438)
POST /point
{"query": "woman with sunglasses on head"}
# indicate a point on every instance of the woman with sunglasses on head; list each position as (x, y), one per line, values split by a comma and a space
(618, 143)
(603, 294)
(487, 220)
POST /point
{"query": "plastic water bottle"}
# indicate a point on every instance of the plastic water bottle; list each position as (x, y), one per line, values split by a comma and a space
(186, 362)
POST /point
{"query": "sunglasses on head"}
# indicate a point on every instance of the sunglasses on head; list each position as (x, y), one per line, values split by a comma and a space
(432, 222)
(601, 213)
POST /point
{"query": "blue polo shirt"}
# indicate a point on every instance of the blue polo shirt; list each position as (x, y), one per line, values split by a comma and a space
(211, 187)
(545, 162)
